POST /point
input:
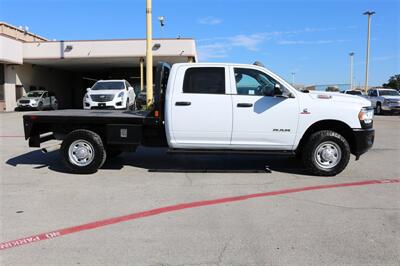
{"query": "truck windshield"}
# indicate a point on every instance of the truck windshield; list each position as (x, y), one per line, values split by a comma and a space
(388, 93)
(34, 94)
(108, 86)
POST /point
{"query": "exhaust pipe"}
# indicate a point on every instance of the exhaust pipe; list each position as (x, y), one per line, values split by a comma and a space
(50, 148)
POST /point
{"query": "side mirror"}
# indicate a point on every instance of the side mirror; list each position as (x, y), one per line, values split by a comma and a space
(277, 90)
(88, 89)
(130, 88)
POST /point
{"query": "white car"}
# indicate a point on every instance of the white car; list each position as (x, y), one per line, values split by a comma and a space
(110, 94)
(38, 100)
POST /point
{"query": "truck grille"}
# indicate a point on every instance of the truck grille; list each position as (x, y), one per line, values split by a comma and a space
(102, 98)
(24, 101)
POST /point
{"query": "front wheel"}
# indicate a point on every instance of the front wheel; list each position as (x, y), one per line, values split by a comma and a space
(326, 153)
(83, 152)
(379, 109)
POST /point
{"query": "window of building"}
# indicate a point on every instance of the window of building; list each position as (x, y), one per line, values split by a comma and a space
(2, 76)
(1, 93)
(207, 80)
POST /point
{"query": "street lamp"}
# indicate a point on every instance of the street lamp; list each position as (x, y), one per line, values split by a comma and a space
(293, 73)
(369, 14)
(351, 70)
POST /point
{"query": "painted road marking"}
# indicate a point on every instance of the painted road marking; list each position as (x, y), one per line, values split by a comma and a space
(173, 208)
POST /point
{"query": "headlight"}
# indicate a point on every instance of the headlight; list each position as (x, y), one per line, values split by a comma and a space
(121, 94)
(366, 115)
(35, 100)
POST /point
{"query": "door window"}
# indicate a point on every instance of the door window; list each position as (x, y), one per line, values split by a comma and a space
(205, 80)
(254, 82)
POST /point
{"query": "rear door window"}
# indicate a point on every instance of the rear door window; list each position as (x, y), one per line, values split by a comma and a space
(204, 80)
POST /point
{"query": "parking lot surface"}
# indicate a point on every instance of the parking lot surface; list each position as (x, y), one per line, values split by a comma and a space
(318, 220)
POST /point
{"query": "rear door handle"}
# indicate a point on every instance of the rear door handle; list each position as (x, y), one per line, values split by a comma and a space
(183, 103)
(244, 105)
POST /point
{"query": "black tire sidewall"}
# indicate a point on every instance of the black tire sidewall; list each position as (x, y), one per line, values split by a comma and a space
(318, 138)
(94, 140)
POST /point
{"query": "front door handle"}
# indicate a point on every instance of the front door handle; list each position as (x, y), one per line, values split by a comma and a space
(183, 103)
(244, 105)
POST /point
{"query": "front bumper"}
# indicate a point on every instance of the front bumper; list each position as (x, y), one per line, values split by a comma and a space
(118, 103)
(391, 107)
(364, 139)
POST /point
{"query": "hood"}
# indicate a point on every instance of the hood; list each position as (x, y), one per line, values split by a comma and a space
(340, 97)
(28, 98)
(109, 92)
(387, 97)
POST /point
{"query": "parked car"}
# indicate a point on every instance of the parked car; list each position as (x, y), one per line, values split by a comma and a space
(110, 94)
(38, 100)
(384, 100)
(353, 92)
(215, 108)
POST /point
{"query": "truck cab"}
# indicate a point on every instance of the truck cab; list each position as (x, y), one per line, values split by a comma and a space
(220, 108)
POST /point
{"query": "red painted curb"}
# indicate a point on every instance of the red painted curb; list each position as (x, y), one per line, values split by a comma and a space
(172, 208)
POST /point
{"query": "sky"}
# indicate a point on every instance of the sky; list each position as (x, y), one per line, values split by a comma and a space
(310, 38)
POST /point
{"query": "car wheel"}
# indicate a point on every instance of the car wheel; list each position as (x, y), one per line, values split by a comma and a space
(55, 106)
(83, 152)
(326, 153)
(40, 106)
(378, 109)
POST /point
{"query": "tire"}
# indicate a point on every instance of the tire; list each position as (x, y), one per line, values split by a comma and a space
(91, 149)
(379, 109)
(55, 106)
(319, 153)
(127, 105)
(40, 106)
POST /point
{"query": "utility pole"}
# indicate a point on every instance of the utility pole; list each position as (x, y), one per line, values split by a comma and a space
(149, 55)
(351, 70)
(369, 14)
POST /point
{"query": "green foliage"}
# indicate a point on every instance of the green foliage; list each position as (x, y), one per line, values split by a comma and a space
(393, 82)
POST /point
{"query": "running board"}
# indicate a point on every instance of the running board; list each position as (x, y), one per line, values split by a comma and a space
(249, 152)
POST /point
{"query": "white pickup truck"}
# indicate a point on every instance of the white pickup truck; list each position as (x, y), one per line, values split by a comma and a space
(216, 108)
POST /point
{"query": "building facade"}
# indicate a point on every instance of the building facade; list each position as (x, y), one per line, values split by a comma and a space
(30, 62)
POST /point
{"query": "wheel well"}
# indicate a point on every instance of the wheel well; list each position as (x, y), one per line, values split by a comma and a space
(333, 125)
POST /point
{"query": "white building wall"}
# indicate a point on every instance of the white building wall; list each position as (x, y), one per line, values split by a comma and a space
(107, 48)
(10, 50)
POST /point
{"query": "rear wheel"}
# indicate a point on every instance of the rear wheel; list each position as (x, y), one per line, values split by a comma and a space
(326, 153)
(40, 106)
(55, 106)
(379, 109)
(83, 152)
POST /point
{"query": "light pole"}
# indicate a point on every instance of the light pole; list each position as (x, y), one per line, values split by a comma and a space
(149, 56)
(351, 70)
(369, 14)
(293, 73)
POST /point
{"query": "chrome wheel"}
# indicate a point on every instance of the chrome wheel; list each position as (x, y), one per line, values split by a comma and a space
(81, 153)
(327, 155)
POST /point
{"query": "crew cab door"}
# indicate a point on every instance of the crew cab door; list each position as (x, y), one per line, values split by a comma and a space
(261, 119)
(201, 108)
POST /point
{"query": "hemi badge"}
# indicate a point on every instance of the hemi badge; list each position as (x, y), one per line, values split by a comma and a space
(322, 96)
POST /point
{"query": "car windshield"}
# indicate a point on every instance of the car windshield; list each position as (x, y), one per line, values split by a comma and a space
(34, 94)
(388, 93)
(354, 92)
(117, 85)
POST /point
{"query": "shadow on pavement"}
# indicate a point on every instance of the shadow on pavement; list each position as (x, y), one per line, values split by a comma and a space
(157, 160)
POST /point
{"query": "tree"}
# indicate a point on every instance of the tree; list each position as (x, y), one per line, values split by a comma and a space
(393, 82)
(332, 89)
